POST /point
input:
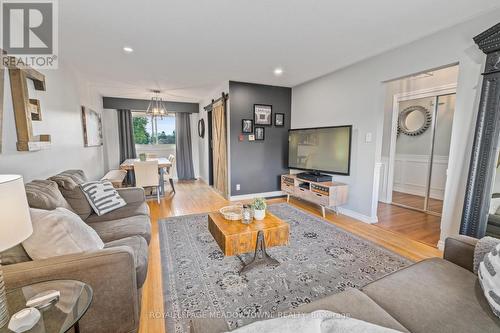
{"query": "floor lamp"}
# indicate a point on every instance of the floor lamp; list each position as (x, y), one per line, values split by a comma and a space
(15, 226)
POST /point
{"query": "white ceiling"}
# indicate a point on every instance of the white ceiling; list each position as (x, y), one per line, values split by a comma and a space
(186, 47)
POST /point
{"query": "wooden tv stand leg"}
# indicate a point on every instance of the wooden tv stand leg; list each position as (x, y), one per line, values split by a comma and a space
(323, 211)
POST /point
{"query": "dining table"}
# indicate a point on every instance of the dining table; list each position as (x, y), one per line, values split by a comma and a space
(163, 166)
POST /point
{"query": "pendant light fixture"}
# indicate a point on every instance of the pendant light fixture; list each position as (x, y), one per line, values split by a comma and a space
(156, 106)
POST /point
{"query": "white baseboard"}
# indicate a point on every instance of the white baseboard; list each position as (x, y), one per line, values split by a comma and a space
(358, 216)
(256, 195)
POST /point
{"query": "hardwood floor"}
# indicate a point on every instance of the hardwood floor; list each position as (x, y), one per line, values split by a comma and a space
(417, 201)
(415, 225)
(197, 197)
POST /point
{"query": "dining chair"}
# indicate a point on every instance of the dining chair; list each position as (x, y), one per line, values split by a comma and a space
(151, 155)
(146, 175)
(171, 159)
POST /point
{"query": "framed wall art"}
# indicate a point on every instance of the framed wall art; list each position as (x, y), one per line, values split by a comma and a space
(279, 119)
(247, 126)
(259, 133)
(92, 128)
(263, 114)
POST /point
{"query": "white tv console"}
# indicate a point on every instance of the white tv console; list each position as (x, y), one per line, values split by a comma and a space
(329, 195)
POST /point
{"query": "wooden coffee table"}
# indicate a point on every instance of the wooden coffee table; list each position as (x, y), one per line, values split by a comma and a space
(235, 238)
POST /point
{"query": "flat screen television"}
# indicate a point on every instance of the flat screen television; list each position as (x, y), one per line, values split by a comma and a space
(322, 149)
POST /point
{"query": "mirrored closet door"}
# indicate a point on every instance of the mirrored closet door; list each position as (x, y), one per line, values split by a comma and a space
(422, 151)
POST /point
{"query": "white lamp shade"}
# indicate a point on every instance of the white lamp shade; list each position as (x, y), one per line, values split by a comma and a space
(15, 220)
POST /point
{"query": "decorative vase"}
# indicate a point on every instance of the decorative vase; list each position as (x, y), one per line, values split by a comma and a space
(259, 214)
(142, 157)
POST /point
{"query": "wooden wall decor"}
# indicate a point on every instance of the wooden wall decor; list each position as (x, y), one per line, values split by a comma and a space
(219, 144)
(24, 108)
(92, 128)
(35, 110)
(484, 150)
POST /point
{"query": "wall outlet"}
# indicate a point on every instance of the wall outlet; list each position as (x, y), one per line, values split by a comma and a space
(238, 187)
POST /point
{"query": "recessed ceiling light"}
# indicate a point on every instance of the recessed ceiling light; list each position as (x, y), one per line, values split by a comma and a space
(128, 49)
(278, 71)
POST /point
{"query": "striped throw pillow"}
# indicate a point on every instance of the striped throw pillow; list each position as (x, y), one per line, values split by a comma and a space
(489, 278)
(102, 196)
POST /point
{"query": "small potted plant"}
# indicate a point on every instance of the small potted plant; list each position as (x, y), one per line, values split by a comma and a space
(259, 208)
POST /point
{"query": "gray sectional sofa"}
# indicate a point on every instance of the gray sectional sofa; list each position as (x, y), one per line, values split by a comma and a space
(434, 295)
(116, 273)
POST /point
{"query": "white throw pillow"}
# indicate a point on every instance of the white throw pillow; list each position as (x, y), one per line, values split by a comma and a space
(489, 278)
(102, 196)
(58, 232)
(494, 205)
(320, 321)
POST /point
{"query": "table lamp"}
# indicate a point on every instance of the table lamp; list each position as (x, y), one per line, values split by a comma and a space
(15, 226)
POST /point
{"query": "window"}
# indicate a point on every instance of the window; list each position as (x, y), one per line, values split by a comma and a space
(153, 131)
(154, 137)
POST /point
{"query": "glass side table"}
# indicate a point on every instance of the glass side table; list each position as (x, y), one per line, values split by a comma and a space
(60, 317)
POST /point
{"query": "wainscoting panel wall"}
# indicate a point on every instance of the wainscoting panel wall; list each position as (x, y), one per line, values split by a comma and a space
(383, 179)
(410, 175)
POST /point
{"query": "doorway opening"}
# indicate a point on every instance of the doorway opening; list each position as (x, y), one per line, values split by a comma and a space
(418, 121)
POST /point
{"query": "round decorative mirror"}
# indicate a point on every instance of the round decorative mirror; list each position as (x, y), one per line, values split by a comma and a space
(414, 120)
(201, 128)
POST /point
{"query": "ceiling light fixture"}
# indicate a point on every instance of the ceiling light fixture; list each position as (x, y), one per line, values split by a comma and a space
(128, 49)
(156, 107)
(278, 71)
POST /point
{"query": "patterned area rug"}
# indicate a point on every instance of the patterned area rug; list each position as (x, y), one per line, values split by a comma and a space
(321, 260)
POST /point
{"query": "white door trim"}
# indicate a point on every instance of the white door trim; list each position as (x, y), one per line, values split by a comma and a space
(430, 92)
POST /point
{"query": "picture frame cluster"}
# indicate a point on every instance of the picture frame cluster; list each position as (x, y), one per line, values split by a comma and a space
(262, 116)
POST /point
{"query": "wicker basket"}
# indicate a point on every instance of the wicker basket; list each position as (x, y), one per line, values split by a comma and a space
(232, 213)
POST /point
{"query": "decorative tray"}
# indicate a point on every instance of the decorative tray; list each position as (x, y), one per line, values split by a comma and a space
(232, 213)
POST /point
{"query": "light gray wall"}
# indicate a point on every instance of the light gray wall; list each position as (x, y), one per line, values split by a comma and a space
(193, 118)
(61, 111)
(356, 95)
(111, 139)
(257, 165)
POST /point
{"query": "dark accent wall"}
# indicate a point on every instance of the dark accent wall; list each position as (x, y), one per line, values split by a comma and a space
(257, 165)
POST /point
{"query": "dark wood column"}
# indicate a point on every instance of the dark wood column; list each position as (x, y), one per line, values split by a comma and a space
(484, 152)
